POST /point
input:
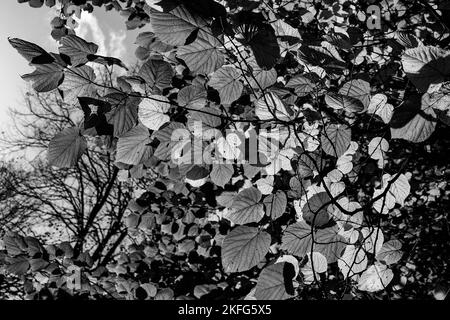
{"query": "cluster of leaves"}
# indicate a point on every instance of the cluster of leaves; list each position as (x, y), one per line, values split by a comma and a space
(324, 95)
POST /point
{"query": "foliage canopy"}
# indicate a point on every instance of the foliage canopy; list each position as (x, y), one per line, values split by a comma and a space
(320, 95)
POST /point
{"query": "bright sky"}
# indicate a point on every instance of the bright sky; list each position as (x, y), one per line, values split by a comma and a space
(107, 29)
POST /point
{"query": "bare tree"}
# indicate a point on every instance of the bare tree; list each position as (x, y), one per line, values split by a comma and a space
(84, 204)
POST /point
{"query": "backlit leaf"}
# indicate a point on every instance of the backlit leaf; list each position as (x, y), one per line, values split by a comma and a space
(358, 89)
(426, 66)
(174, 27)
(315, 209)
(390, 252)
(221, 173)
(375, 278)
(203, 55)
(132, 147)
(66, 148)
(353, 261)
(270, 107)
(275, 204)
(243, 248)
(78, 82)
(157, 73)
(46, 77)
(152, 112)
(336, 139)
(77, 49)
(298, 241)
(340, 101)
(28, 50)
(246, 207)
(225, 81)
(275, 282)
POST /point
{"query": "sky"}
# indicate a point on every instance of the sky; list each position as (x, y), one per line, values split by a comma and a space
(106, 29)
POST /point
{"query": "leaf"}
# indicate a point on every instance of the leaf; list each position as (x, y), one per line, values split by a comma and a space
(325, 56)
(221, 173)
(336, 139)
(373, 239)
(243, 248)
(375, 278)
(30, 51)
(377, 144)
(205, 118)
(358, 89)
(204, 8)
(260, 78)
(174, 27)
(14, 244)
(106, 61)
(46, 77)
(77, 49)
(426, 66)
(149, 42)
(406, 39)
(246, 207)
(302, 85)
(225, 199)
(377, 101)
(197, 172)
(379, 106)
(78, 82)
(203, 55)
(171, 137)
(275, 204)
(270, 107)
(399, 189)
(377, 149)
(66, 148)
(193, 96)
(132, 147)
(305, 165)
(17, 265)
(124, 114)
(275, 282)
(422, 124)
(282, 29)
(298, 241)
(315, 209)
(37, 264)
(203, 290)
(94, 115)
(390, 252)
(339, 40)
(226, 81)
(317, 263)
(152, 111)
(150, 289)
(165, 294)
(156, 73)
(230, 147)
(353, 261)
(406, 111)
(265, 185)
(36, 3)
(259, 36)
(339, 101)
